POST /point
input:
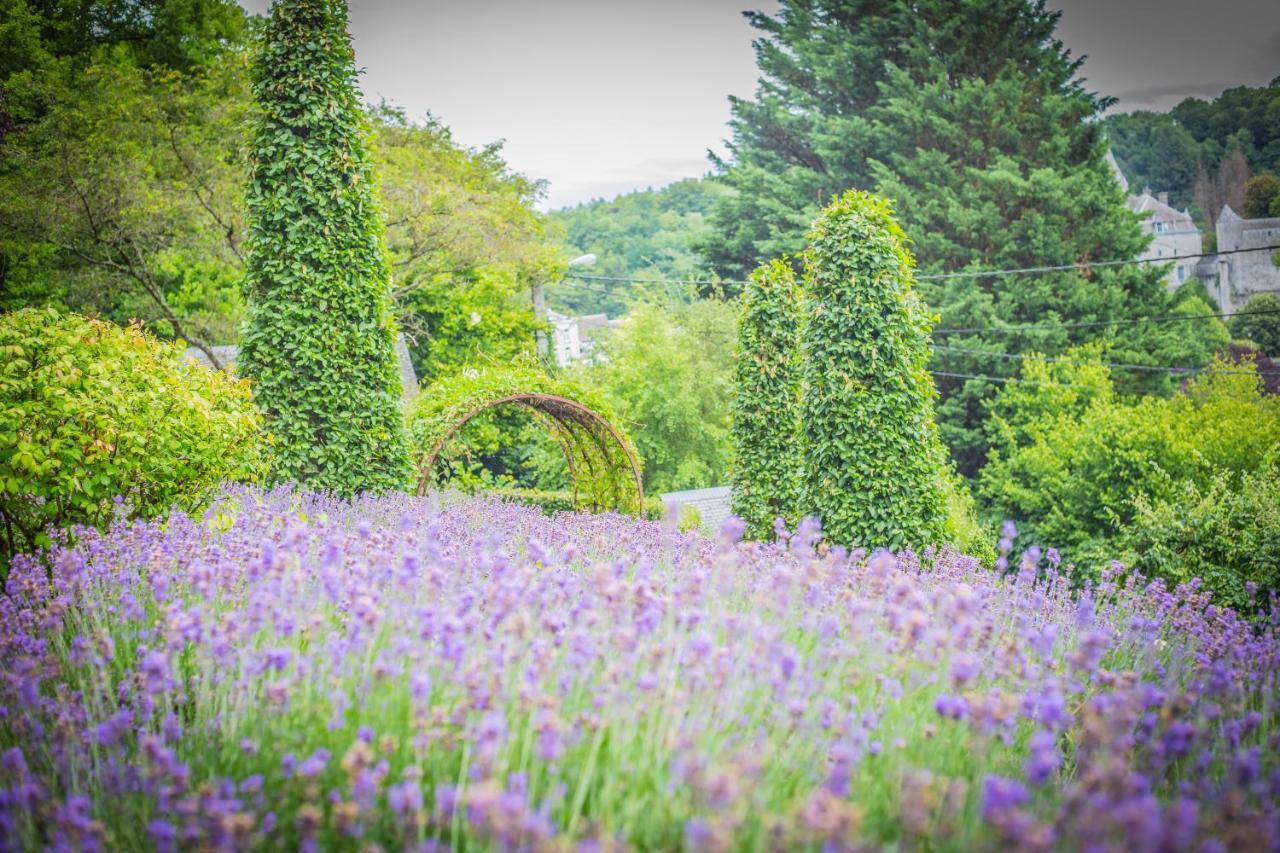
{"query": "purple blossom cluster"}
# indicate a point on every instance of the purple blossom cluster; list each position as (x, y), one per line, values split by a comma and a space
(294, 671)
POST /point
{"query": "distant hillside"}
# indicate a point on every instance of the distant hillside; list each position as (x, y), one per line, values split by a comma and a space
(1193, 143)
(648, 233)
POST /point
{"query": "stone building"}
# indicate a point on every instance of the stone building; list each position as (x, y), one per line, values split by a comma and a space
(575, 339)
(1233, 276)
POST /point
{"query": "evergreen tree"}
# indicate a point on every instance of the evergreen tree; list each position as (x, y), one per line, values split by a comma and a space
(873, 466)
(972, 118)
(319, 342)
(766, 400)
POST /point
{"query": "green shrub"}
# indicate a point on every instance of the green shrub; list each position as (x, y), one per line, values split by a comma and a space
(1261, 329)
(90, 410)
(552, 502)
(766, 402)
(963, 528)
(319, 344)
(549, 502)
(1071, 461)
(1227, 533)
(688, 519)
(873, 464)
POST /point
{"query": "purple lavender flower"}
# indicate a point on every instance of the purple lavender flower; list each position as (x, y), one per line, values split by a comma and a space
(1000, 794)
(951, 707)
(1045, 758)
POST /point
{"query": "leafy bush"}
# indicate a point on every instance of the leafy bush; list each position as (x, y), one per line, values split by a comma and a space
(766, 402)
(1070, 459)
(319, 345)
(668, 372)
(94, 410)
(1261, 329)
(964, 528)
(1227, 533)
(552, 502)
(872, 460)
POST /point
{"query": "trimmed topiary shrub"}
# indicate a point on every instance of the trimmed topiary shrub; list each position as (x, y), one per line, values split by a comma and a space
(766, 403)
(90, 410)
(319, 343)
(872, 460)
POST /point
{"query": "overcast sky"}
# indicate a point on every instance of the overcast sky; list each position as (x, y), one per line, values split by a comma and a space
(599, 97)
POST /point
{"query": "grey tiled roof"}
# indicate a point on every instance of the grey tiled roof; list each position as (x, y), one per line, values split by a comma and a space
(226, 353)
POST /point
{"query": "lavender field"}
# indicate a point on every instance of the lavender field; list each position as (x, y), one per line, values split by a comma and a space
(291, 671)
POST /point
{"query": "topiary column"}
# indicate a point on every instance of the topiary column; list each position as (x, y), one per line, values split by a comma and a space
(319, 342)
(872, 460)
(766, 400)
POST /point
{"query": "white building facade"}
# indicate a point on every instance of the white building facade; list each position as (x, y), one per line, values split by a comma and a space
(1174, 235)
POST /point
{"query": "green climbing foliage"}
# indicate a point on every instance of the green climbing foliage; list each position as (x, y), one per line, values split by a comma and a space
(766, 403)
(319, 342)
(872, 459)
(598, 452)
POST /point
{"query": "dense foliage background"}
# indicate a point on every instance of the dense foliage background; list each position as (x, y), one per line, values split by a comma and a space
(124, 155)
(645, 234)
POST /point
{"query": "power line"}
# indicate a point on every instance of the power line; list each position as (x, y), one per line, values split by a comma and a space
(1086, 265)
(1078, 363)
(1014, 379)
(637, 280)
(1133, 321)
(1082, 265)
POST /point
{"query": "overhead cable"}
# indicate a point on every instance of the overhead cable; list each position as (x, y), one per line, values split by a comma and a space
(1077, 266)
(1080, 363)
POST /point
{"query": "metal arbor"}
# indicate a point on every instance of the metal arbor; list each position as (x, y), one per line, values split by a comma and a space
(603, 466)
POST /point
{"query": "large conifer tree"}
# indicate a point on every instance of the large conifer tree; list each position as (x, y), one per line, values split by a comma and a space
(319, 342)
(972, 118)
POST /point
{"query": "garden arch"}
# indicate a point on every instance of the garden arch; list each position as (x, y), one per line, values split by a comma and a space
(603, 467)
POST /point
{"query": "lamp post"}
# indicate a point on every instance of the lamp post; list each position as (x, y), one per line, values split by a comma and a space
(540, 305)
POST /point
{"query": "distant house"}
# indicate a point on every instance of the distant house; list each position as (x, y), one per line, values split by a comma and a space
(577, 339)
(1231, 276)
(227, 355)
(1173, 234)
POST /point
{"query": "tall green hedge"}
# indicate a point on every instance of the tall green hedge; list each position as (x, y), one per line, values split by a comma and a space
(766, 400)
(319, 342)
(872, 460)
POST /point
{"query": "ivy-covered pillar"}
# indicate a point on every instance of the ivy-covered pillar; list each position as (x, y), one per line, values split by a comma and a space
(319, 345)
(873, 464)
(766, 383)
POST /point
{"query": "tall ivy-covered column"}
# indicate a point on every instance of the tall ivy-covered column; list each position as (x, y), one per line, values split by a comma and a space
(766, 406)
(872, 459)
(319, 346)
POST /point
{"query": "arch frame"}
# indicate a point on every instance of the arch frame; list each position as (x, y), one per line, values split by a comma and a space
(604, 469)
